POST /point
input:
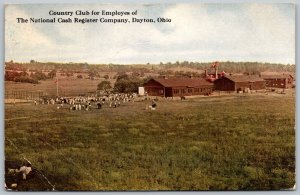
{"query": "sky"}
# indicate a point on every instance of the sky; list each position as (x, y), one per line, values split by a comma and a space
(197, 32)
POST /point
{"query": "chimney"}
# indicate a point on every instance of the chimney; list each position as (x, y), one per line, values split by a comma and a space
(216, 72)
(205, 73)
(223, 73)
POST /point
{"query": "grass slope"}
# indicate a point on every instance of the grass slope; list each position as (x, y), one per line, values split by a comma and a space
(243, 142)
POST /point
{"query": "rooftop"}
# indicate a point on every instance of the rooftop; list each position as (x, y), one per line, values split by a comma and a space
(182, 82)
(244, 78)
(280, 76)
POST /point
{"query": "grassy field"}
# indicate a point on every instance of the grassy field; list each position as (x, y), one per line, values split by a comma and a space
(67, 86)
(238, 142)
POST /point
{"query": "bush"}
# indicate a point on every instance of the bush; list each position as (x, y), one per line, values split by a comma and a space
(26, 79)
(52, 74)
(38, 76)
(19, 77)
(104, 85)
(11, 75)
(106, 76)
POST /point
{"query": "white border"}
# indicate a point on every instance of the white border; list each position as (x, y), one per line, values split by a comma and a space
(3, 2)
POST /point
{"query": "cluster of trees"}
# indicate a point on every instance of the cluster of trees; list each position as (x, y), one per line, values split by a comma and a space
(127, 84)
(68, 74)
(19, 77)
(187, 74)
(233, 67)
(24, 77)
(124, 84)
(47, 66)
(139, 69)
(104, 85)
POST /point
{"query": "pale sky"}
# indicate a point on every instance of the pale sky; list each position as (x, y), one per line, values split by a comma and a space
(198, 33)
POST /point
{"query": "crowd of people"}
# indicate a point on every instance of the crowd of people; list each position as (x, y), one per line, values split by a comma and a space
(112, 100)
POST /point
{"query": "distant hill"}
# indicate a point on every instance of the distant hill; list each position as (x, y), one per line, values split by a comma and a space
(162, 68)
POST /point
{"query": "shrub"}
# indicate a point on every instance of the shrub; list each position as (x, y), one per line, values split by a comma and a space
(26, 79)
(104, 85)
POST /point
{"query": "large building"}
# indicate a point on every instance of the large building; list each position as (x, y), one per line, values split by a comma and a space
(239, 83)
(279, 81)
(172, 87)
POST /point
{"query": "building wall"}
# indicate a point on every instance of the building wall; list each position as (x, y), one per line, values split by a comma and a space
(224, 84)
(168, 92)
(154, 89)
(188, 91)
(279, 83)
(257, 85)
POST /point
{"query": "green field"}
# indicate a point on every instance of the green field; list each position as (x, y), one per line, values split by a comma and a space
(237, 142)
(66, 86)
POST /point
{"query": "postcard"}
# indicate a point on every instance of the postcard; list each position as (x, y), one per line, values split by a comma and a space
(149, 97)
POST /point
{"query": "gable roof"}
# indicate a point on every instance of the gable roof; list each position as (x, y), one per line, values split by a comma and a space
(275, 76)
(243, 78)
(183, 82)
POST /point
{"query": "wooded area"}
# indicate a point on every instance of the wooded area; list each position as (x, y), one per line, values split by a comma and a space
(231, 67)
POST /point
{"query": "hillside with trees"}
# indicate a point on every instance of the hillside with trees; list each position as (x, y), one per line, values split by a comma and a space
(34, 71)
(228, 66)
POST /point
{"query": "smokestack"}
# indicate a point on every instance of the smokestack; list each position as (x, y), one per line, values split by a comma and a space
(216, 72)
(205, 73)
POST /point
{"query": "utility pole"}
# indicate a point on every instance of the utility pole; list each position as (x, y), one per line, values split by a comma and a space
(57, 86)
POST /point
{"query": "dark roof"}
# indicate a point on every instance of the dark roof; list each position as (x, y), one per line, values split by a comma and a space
(182, 82)
(280, 76)
(243, 78)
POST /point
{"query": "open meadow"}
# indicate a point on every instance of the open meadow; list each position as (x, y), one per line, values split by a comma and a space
(231, 142)
(69, 86)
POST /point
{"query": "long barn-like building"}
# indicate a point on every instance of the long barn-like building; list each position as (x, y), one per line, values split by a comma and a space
(175, 87)
(279, 81)
(172, 87)
(239, 83)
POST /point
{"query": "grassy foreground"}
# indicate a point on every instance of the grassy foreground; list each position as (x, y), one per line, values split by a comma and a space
(240, 142)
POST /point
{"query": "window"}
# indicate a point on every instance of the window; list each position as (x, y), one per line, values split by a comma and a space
(190, 90)
(176, 91)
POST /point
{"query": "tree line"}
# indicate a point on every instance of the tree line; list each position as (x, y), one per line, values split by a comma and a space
(25, 77)
(129, 77)
(227, 66)
(124, 84)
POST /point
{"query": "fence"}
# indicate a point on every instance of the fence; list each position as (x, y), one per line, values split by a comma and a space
(25, 95)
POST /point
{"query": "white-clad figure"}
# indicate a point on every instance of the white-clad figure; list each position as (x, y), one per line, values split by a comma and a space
(25, 170)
